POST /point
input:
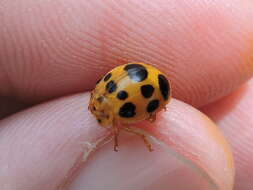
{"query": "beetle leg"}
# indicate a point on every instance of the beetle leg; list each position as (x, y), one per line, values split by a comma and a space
(116, 134)
(152, 118)
(142, 135)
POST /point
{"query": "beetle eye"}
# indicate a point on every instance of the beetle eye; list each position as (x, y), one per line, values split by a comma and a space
(94, 108)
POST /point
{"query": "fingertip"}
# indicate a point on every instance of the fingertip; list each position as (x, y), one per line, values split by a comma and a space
(233, 114)
(199, 140)
(188, 147)
(59, 134)
(47, 142)
(134, 167)
(205, 48)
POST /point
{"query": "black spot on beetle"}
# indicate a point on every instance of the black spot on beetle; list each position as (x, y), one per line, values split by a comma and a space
(152, 105)
(164, 86)
(122, 95)
(99, 120)
(107, 77)
(111, 86)
(136, 72)
(147, 90)
(127, 110)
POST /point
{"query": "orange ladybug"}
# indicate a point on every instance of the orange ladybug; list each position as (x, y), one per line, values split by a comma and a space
(128, 94)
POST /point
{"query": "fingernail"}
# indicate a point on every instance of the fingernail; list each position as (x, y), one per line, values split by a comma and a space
(134, 167)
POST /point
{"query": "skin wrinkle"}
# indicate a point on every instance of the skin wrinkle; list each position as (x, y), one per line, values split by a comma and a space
(46, 128)
(183, 147)
(235, 116)
(9, 105)
(234, 101)
(149, 45)
(5, 74)
(196, 89)
(151, 35)
(100, 37)
(90, 148)
(119, 30)
(80, 163)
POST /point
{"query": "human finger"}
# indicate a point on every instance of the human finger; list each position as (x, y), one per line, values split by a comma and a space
(44, 148)
(60, 47)
(234, 116)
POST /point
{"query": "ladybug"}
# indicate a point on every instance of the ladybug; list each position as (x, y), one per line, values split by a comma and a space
(128, 94)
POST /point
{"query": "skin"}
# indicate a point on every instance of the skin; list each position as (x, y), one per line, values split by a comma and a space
(58, 49)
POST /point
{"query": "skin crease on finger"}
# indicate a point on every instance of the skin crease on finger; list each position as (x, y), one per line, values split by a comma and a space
(234, 116)
(64, 59)
(43, 148)
(182, 140)
(54, 48)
